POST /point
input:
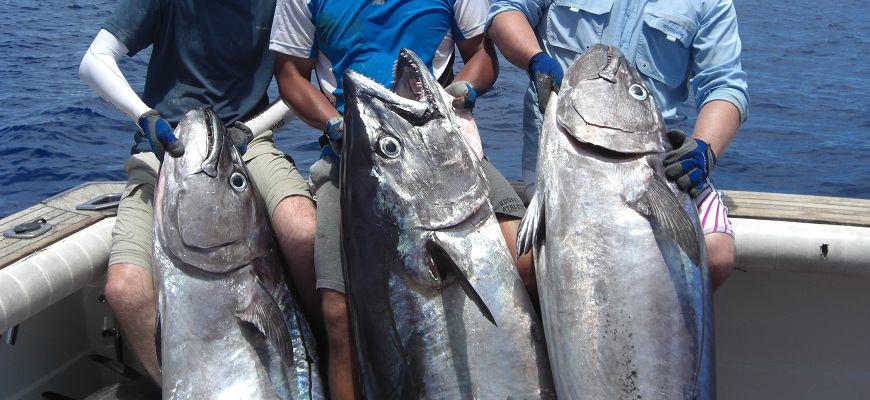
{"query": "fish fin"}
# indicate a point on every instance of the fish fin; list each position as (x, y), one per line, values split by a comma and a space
(158, 340)
(116, 366)
(264, 313)
(445, 263)
(664, 207)
(55, 396)
(531, 230)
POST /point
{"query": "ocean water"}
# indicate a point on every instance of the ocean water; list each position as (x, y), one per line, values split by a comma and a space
(807, 131)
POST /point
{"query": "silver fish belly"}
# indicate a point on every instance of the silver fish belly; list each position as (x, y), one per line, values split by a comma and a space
(228, 325)
(620, 257)
(437, 306)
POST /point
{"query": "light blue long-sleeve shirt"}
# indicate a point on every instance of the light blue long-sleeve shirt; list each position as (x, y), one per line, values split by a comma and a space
(676, 45)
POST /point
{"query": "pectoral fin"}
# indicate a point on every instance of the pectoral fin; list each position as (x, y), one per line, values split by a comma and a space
(445, 264)
(264, 312)
(660, 203)
(531, 231)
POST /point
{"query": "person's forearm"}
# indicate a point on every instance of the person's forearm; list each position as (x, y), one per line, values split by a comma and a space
(510, 31)
(99, 70)
(295, 88)
(717, 124)
(277, 115)
(481, 68)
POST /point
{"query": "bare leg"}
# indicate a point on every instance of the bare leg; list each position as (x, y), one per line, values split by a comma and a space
(294, 222)
(720, 257)
(525, 265)
(130, 293)
(343, 369)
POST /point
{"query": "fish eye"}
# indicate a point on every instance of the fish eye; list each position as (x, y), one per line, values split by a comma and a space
(238, 182)
(390, 146)
(638, 92)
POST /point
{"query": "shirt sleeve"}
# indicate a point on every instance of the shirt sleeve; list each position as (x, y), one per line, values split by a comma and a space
(470, 17)
(293, 30)
(716, 51)
(533, 9)
(135, 23)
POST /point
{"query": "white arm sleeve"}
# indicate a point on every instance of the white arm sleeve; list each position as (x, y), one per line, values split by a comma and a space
(273, 118)
(99, 69)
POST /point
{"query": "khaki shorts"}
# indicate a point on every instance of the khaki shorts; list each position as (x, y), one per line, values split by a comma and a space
(327, 241)
(273, 173)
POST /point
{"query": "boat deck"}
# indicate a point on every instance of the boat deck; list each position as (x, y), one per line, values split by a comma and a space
(59, 211)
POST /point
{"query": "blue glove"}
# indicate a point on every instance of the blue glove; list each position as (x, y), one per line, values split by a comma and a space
(159, 135)
(463, 94)
(690, 163)
(241, 135)
(335, 132)
(547, 74)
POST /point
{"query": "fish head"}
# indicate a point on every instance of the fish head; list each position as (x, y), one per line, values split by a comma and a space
(605, 105)
(207, 211)
(409, 141)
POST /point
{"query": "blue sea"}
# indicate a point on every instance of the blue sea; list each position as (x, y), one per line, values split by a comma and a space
(807, 133)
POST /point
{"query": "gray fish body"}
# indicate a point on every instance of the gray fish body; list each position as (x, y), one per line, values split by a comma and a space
(229, 327)
(620, 257)
(426, 267)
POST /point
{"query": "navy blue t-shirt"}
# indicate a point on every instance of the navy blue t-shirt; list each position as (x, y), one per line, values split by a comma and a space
(206, 53)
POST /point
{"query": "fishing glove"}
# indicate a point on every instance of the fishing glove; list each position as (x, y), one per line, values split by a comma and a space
(241, 135)
(159, 135)
(690, 163)
(335, 132)
(546, 72)
(463, 94)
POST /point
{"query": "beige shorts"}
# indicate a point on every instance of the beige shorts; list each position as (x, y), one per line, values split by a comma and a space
(274, 175)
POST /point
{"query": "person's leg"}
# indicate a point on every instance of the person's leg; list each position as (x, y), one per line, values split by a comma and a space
(130, 293)
(294, 225)
(525, 266)
(343, 369)
(129, 286)
(720, 257)
(291, 210)
(509, 210)
(718, 235)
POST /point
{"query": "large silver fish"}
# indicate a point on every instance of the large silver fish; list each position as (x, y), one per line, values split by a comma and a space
(620, 257)
(438, 308)
(228, 326)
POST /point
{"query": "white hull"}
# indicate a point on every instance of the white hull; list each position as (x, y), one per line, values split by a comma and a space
(792, 322)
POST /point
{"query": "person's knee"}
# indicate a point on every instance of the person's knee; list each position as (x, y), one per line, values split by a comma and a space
(720, 257)
(128, 287)
(296, 215)
(335, 312)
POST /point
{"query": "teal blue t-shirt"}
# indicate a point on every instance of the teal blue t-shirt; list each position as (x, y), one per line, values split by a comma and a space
(366, 36)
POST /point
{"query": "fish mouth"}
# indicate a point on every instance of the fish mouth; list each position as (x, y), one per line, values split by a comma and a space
(215, 137)
(600, 152)
(414, 95)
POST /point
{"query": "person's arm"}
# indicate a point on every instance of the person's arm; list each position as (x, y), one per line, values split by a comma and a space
(277, 115)
(481, 63)
(294, 85)
(717, 124)
(99, 69)
(511, 32)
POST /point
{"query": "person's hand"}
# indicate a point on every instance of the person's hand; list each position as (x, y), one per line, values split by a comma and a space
(547, 74)
(335, 132)
(690, 163)
(241, 135)
(463, 94)
(159, 135)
